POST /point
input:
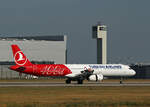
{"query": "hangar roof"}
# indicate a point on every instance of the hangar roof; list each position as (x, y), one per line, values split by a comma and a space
(44, 37)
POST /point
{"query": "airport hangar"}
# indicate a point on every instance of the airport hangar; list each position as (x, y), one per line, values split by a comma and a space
(38, 49)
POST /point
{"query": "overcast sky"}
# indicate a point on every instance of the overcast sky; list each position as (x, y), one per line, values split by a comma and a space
(128, 24)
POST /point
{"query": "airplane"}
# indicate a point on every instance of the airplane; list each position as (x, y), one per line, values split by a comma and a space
(73, 72)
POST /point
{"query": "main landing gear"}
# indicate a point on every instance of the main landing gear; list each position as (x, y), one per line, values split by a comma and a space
(68, 81)
(79, 81)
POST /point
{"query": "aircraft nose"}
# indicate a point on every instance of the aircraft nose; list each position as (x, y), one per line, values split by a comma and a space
(133, 72)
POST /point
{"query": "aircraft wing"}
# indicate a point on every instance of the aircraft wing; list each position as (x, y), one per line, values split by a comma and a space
(83, 74)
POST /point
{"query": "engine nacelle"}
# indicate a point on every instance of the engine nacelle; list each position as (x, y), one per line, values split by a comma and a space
(96, 77)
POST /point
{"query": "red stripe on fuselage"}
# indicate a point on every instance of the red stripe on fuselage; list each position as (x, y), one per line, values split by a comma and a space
(51, 70)
(44, 69)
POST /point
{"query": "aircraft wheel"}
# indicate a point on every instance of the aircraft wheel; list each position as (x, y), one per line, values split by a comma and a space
(121, 80)
(68, 81)
(80, 81)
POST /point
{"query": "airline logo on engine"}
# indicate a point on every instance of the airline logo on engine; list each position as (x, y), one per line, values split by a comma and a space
(105, 66)
(19, 58)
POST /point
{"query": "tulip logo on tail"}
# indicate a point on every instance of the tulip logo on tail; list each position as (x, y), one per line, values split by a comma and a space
(19, 58)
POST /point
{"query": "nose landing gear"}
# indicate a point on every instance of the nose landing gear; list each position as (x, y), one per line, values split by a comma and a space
(121, 80)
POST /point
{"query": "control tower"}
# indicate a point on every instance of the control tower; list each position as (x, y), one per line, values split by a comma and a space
(99, 32)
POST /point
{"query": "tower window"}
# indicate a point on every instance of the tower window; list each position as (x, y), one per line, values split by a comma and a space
(102, 28)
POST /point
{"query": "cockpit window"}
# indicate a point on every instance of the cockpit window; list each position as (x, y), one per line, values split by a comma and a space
(130, 68)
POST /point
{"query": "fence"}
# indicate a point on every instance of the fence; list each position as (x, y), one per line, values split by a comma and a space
(6, 73)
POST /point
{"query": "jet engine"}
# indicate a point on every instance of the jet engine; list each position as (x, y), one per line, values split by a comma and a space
(96, 77)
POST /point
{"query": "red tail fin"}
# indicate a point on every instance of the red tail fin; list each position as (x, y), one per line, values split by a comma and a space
(19, 57)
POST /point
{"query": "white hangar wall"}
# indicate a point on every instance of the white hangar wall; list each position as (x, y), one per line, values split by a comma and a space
(43, 49)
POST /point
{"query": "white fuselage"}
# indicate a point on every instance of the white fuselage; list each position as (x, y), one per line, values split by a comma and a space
(104, 69)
